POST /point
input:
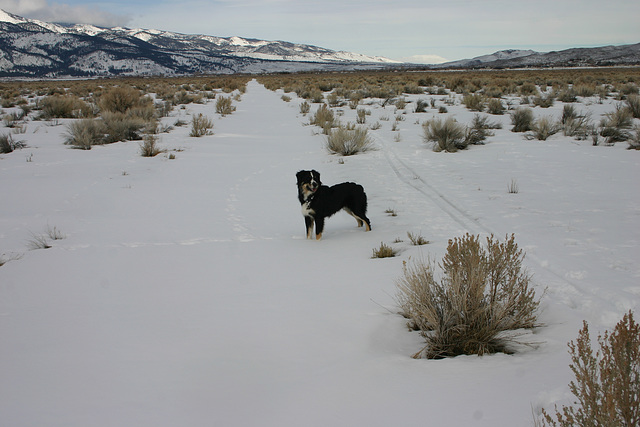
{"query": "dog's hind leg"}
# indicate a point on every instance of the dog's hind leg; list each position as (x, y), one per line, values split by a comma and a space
(362, 219)
(350, 212)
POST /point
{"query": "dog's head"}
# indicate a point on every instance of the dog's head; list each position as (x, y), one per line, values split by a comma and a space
(308, 182)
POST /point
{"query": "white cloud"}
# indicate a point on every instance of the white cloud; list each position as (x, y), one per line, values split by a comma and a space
(60, 12)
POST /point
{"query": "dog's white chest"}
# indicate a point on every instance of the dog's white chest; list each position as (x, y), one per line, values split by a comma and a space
(306, 209)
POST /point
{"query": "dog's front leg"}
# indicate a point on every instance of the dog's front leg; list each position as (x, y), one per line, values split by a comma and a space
(319, 227)
(308, 222)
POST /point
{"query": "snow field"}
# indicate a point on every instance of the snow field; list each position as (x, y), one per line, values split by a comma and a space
(185, 292)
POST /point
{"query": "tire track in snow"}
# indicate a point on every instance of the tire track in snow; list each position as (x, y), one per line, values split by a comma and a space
(409, 176)
(574, 295)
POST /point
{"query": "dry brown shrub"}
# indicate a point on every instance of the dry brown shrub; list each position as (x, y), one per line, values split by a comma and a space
(483, 298)
(607, 383)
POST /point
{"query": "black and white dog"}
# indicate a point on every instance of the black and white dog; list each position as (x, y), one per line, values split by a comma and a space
(320, 201)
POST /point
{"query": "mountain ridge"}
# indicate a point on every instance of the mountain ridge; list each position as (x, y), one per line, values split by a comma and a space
(32, 48)
(35, 49)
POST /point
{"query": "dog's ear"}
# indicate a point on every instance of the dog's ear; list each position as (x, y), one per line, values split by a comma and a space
(299, 175)
(316, 175)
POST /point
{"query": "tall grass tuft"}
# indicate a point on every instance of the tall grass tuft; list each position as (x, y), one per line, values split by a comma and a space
(543, 128)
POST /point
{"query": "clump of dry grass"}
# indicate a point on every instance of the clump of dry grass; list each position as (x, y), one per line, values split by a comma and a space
(484, 295)
(607, 383)
(543, 128)
(384, 251)
(417, 239)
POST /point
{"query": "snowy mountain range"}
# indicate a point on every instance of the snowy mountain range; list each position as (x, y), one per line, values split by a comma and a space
(35, 49)
(32, 48)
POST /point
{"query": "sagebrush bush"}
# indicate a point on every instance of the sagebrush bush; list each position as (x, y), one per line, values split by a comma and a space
(119, 99)
(615, 126)
(568, 95)
(474, 102)
(421, 106)
(543, 101)
(634, 141)
(575, 124)
(522, 119)
(224, 106)
(8, 144)
(633, 105)
(361, 114)
(85, 133)
(324, 119)
(200, 125)
(149, 147)
(347, 142)
(64, 107)
(480, 129)
(483, 296)
(123, 126)
(446, 135)
(607, 383)
(495, 106)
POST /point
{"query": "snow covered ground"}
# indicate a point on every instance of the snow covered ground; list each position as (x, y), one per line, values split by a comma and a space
(185, 294)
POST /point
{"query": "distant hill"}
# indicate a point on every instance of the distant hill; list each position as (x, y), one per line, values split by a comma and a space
(577, 57)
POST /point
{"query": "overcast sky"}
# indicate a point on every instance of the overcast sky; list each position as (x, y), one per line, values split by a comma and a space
(409, 30)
